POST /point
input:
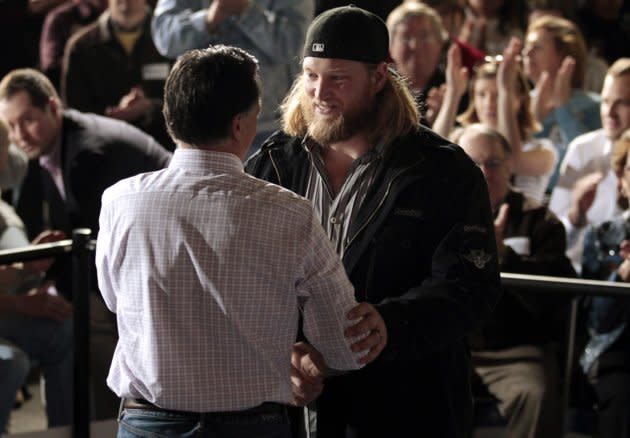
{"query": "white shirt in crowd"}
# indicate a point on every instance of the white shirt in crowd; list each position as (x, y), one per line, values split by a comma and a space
(586, 154)
(534, 186)
(205, 268)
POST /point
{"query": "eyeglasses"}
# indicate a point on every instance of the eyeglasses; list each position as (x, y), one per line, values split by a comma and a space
(493, 59)
(420, 37)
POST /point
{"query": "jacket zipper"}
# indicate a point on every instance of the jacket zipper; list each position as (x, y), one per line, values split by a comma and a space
(380, 204)
(275, 167)
(378, 207)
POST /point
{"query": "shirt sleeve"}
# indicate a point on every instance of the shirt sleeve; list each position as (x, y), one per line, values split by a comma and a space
(328, 296)
(103, 257)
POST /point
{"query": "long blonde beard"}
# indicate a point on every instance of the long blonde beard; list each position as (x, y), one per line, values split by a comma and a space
(326, 131)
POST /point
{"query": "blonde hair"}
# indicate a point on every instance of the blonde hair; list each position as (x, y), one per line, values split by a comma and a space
(417, 9)
(395, 112)
(568, 41)
(527, 123)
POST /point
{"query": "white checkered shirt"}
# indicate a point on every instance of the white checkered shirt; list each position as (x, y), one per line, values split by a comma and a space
(205, 268)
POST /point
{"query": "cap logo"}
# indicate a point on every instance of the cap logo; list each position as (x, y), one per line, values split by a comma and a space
(318, 47)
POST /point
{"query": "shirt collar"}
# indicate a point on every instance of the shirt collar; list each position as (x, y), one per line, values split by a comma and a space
(53, 159)
(205, 161)
(377, 152)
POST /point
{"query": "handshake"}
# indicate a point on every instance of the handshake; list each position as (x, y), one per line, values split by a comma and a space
(308, 368)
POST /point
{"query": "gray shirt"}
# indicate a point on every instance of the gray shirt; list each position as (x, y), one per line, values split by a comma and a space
(337, 211)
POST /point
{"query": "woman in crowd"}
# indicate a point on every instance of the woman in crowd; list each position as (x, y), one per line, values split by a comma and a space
(489, 24)
(499, 97)
(554, 59)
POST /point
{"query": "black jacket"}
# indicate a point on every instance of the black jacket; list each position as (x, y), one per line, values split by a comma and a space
(422, 249)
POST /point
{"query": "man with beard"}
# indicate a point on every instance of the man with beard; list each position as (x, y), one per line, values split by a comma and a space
(409, 214)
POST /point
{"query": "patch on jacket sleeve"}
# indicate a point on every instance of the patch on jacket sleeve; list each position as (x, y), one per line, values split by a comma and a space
(478, 257)
(473, 248)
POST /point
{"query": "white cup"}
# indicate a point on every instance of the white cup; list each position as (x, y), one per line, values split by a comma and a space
(519, 244)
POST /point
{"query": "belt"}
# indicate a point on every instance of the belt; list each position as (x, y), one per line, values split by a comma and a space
(267, 409)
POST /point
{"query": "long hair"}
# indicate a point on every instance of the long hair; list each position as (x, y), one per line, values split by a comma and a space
(395, 112)
(568, 41)
(527, 123)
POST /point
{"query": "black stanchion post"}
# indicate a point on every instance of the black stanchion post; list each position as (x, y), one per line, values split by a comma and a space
(81, 267)
(568, 372)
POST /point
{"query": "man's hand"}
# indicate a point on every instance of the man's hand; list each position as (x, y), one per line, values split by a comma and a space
(132, 106)
(584, 191)
(456, 73)
(40, 304)
(220, 10)
(307, 373)
(624, 268)
(372, 327)
(507, 73)
(434, 100)
(40, 266)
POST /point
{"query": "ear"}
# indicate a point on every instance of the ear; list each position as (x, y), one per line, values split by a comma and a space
(236, 127)
(379, 77)
(54, 106)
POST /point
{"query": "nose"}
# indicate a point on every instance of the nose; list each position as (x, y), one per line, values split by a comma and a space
(320, 89)
(608, 109)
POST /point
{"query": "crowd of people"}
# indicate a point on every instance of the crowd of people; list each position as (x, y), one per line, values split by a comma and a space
(302, 208)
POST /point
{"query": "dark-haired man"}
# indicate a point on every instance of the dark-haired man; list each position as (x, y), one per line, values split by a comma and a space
(409, 214)
(120, 43)
(207, 269)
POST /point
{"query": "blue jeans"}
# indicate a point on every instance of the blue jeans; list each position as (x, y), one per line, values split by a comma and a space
(14, 366)
(143, 423)
(48, 343)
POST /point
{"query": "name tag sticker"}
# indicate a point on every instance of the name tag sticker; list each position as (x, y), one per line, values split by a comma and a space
(154, 72)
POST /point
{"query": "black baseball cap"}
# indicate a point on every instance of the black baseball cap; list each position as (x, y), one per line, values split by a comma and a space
(348, 32)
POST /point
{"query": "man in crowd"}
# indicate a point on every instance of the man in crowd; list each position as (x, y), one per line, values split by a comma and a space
(271, 30)
(409, 215)
(207, 269)
(512, 350)
(34, 325)
(74, 157)
(586, 192)
(118, 43)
